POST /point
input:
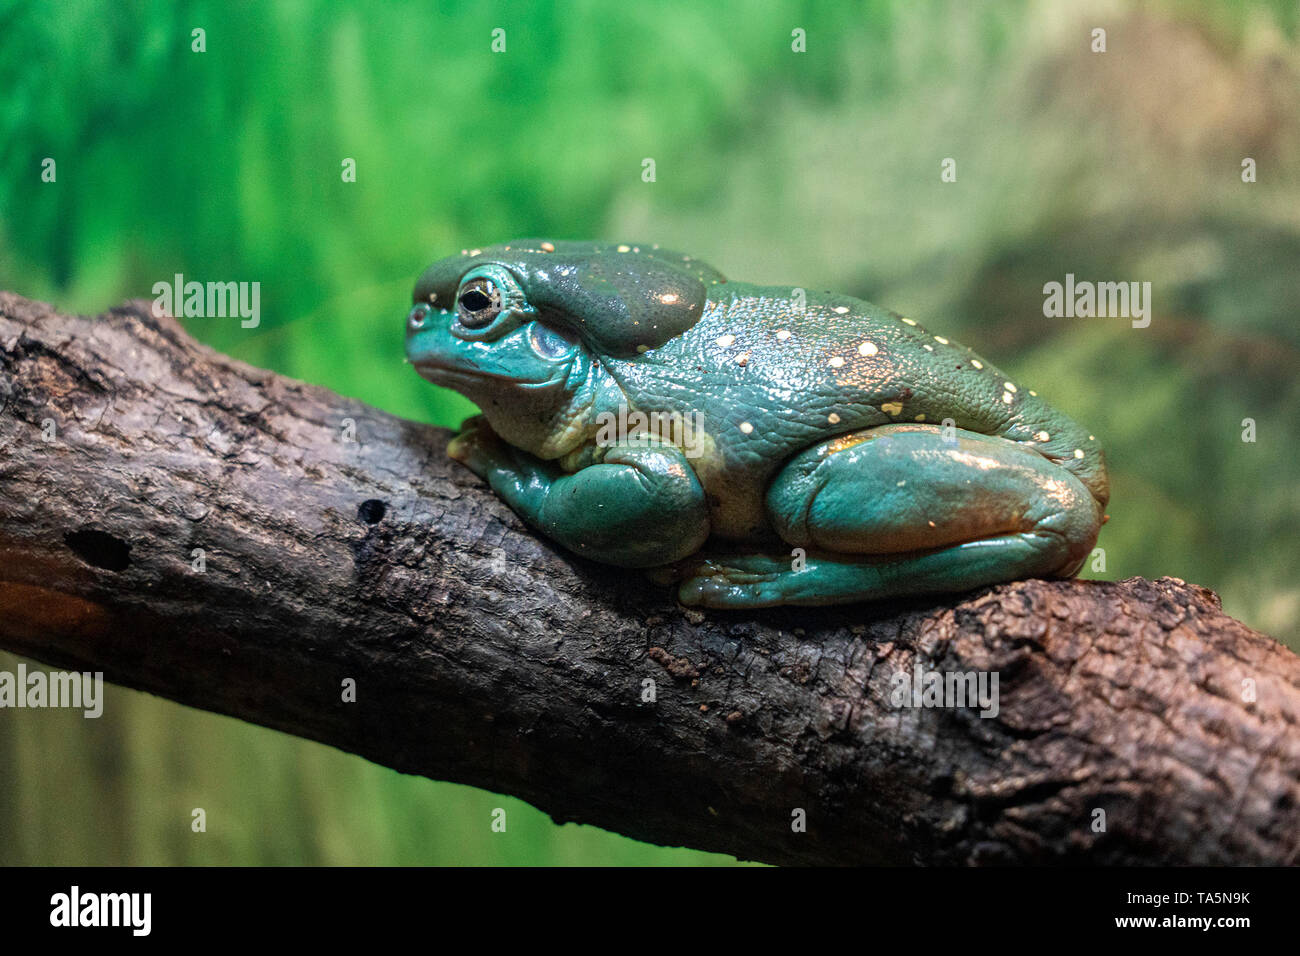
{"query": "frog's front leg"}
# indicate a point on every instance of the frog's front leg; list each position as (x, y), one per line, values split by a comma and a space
(902, 510)
(642, 506)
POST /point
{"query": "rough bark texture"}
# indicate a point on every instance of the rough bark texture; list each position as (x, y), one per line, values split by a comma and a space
(483, 655)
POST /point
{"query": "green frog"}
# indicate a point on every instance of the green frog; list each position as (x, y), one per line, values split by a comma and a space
(752, 445)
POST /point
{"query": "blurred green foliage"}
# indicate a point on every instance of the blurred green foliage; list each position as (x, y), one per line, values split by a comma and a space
(816, 169)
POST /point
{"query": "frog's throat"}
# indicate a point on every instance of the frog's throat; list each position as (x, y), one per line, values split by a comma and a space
(549, 423)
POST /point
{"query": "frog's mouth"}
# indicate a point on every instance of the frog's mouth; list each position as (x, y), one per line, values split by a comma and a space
(452, 376)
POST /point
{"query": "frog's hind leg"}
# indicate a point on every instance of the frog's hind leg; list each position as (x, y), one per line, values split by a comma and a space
(903, 510)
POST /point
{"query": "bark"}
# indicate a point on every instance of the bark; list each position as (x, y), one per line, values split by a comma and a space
(484, 655)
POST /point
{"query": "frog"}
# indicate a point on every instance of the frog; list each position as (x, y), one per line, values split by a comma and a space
(750, 446)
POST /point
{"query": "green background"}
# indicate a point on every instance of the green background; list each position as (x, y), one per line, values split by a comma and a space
(818, 169)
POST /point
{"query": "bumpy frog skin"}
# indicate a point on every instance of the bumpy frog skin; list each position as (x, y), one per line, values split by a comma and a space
(828, 451)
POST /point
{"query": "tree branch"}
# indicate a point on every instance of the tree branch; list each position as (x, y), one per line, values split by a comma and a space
(483, 655)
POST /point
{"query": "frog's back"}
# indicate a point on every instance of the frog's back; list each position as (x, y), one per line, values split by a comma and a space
(774, 372)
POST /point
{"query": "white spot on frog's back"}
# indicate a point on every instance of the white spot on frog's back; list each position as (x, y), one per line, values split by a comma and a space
(868, 348)
(746, 428)
(726, 341)
(836, 362)
(782, 335)
(841, 309)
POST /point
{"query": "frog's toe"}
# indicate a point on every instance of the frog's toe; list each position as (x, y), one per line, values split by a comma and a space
(735, 581)
(721, 592)
(465, 449)
(461, 448)
(477, 447)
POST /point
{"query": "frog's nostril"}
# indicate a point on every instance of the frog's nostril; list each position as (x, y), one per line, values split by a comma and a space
(415, 319)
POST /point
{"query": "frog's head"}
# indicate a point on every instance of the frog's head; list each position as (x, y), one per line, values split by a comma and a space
(518, 328)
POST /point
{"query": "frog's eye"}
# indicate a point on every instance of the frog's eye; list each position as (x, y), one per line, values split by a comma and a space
(478, 302)
(415, 320)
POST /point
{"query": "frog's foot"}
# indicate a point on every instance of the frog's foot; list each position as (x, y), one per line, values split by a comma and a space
(754, 580)
(751, 581)
(735, 581)
(478, 447)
